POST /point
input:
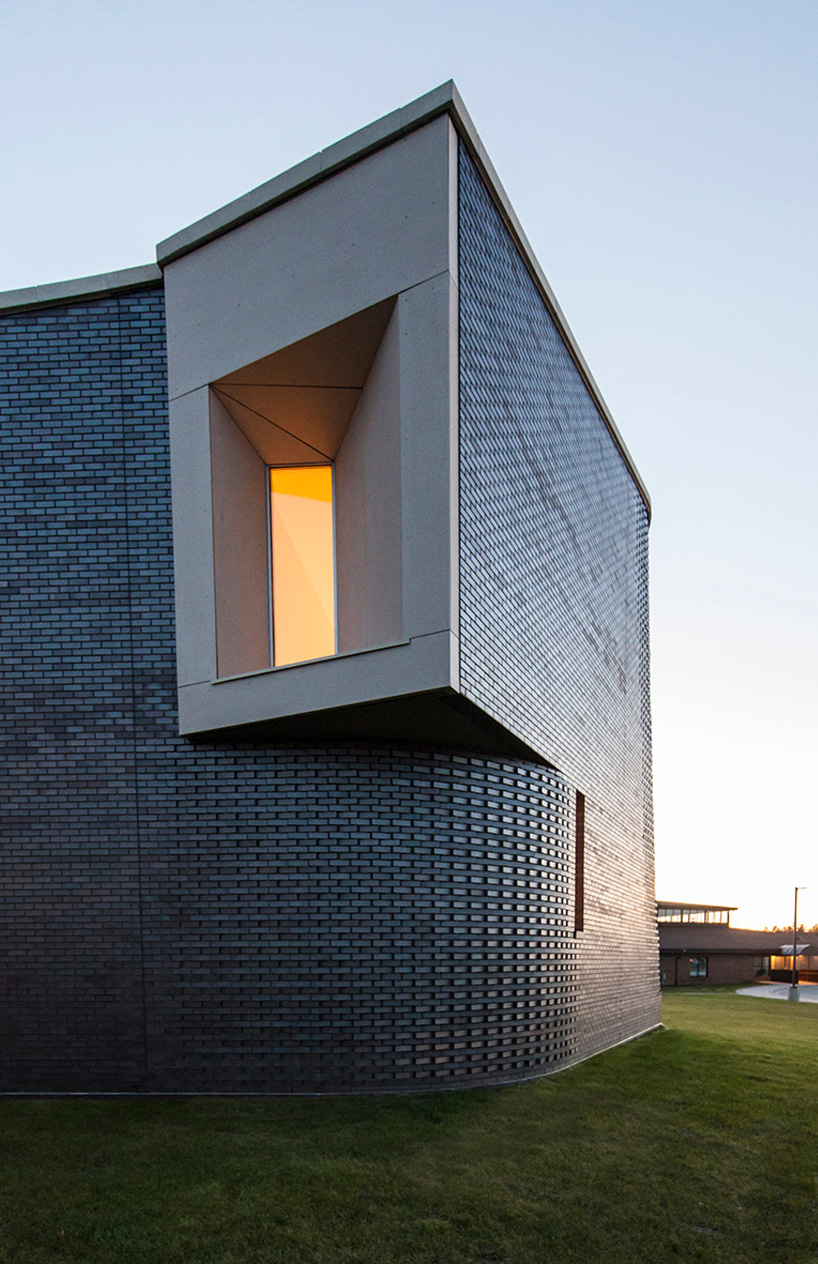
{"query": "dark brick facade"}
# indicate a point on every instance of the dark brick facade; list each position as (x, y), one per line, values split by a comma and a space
(554, 600)
(189, 917)
(676, 969)
(86, 681)
(197, 916)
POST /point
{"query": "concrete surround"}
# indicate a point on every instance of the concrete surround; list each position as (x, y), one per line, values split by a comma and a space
(287, 408)
(378, 231)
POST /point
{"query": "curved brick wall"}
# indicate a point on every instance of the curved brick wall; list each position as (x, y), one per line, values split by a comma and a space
(363, 918)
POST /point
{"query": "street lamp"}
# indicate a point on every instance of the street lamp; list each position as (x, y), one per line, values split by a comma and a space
(793, 994)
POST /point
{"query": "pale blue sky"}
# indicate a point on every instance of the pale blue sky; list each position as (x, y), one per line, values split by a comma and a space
(661, 155)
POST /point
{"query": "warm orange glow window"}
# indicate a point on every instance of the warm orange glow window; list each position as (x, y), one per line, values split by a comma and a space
(302, 559)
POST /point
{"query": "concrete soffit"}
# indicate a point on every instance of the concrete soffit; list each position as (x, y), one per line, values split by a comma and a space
(442, 100)
(293, 396)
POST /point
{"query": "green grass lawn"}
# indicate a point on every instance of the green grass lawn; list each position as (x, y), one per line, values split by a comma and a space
(699, 1142)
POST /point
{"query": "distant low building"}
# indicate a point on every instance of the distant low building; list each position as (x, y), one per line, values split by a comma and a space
(697, 944)
(719, 913)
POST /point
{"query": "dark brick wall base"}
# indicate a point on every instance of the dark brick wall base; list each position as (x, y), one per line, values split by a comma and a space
(739, 969)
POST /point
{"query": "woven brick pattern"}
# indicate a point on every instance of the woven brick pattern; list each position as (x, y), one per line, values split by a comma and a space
(554, 600)
(192, 917)
(360, 918)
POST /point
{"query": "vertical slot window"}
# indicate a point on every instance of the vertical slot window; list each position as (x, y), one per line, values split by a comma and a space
(302, 563)
(579, 865)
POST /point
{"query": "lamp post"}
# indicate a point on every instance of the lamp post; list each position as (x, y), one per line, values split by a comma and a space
(793, 994)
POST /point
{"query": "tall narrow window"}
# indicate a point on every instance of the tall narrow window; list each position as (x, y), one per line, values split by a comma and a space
(579, 865)
(302, 560)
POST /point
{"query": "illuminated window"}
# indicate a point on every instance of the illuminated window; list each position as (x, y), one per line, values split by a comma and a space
(302, 562)
(698, 967)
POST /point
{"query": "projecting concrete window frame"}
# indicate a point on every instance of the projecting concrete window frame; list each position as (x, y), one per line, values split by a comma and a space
(347, 289)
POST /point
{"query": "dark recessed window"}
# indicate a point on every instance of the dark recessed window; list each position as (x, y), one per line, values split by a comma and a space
(579, 865)
(698, 967)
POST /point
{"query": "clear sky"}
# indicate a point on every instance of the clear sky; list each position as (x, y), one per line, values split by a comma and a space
(661, 155)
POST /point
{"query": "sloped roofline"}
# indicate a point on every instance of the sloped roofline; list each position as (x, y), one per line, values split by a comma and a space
(442, 100)
(691, 937)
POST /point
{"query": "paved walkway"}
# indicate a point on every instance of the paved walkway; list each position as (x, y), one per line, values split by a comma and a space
(779, 991)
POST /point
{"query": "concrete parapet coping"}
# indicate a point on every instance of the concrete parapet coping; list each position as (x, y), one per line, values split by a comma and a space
(80, 288)
(326, 162)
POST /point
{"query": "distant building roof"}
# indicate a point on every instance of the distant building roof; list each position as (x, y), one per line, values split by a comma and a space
(718, 937)
(686, 904)
(677, 911)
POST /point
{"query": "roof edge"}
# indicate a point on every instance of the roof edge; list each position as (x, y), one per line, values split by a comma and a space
(311, 171)
(470, 137)
(444, 99)
(80, 288)
(682, 904)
